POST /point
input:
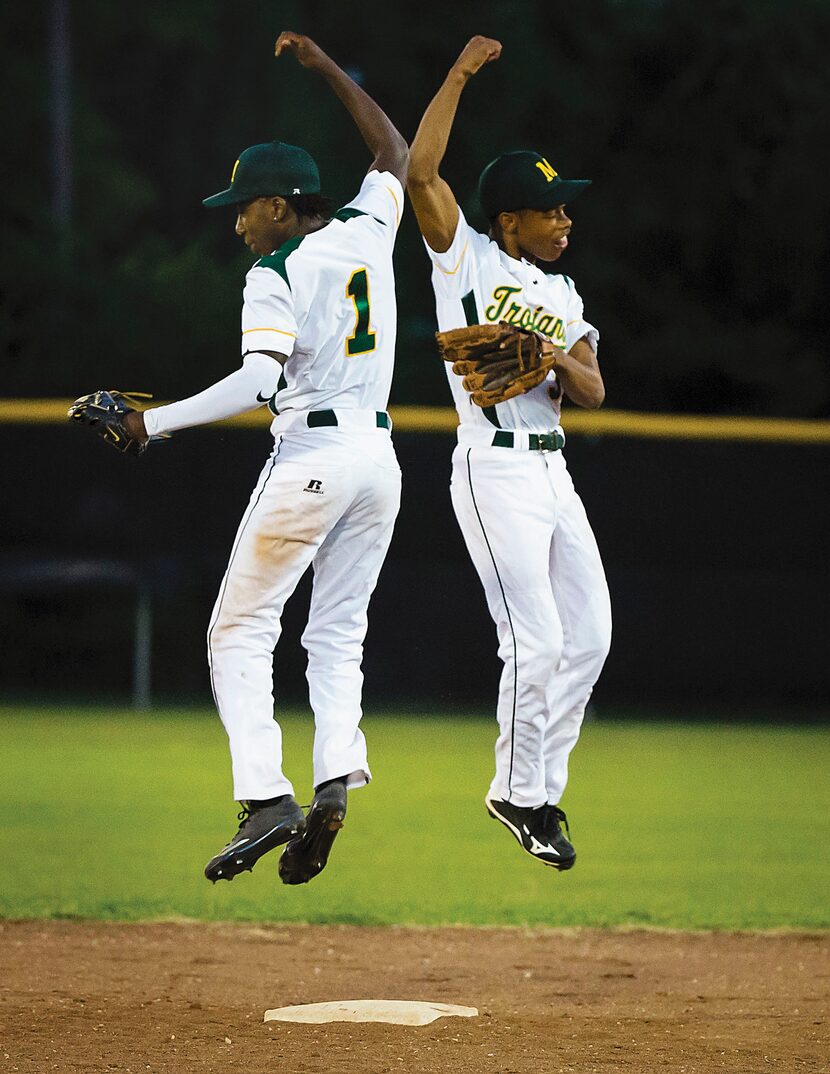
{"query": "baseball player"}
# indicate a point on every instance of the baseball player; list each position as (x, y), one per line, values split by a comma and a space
(318, 343)
(524, 525)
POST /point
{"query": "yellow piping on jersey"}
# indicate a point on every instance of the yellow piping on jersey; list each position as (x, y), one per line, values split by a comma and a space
(452, 272)
(279, 330)
(397, 207)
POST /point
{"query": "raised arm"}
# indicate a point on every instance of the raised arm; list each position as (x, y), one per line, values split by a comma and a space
(386, 144)
(432, 199)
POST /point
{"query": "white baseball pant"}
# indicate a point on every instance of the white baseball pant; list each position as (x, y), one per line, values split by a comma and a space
(327, 497)
(530, 541)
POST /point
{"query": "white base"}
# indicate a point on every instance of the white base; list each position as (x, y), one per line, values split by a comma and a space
(397, 1011)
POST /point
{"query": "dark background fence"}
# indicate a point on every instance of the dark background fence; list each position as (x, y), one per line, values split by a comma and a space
(715, 553)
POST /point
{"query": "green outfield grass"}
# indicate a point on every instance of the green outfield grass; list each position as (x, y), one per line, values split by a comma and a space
(110, 814)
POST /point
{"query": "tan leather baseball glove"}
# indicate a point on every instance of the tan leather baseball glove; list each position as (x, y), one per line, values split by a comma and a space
(497, 361)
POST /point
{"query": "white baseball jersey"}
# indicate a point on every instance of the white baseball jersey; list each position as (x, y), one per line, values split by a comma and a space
(327, 301)
(476, 282)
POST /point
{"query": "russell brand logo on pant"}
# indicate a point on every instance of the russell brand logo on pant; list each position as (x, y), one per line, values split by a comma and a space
(315, 487)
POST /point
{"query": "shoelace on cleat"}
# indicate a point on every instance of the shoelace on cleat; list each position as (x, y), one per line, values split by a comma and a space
(244, 815)
(559, 814)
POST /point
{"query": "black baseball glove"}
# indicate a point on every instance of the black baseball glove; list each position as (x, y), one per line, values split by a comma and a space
(105, 412)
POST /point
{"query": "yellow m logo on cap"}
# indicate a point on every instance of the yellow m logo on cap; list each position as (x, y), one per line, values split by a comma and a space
(546, 170)
(233, 173)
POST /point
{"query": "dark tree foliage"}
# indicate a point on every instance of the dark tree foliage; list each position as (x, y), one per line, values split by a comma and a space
(701, 250)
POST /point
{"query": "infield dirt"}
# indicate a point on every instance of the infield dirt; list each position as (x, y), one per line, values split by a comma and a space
(187, 997)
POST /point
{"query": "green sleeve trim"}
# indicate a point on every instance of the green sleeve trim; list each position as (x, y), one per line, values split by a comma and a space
(276, 261)
(349, 214)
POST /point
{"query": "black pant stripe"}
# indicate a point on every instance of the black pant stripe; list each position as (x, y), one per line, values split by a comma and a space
(510, 623)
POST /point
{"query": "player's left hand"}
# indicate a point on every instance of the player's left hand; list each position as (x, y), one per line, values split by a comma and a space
(110, 415)
(307, 52)
(476, 53)
(497, 361)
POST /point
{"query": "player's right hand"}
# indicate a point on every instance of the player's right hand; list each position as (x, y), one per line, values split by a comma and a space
(478, 51)
(307, 52)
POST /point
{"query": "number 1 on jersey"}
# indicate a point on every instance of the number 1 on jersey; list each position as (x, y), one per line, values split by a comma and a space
(361, 341)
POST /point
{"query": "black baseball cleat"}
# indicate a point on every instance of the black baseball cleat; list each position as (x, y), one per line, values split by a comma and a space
(265, 825)
(554, 820)
(306, 856)
(537, 831)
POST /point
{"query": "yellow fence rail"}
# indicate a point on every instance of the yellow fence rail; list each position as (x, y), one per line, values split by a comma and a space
(439, 419)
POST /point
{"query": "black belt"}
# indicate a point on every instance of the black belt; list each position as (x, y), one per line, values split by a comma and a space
(554, 441)
(317, 419)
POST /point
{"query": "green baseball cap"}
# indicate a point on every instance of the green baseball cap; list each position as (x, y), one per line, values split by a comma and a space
(268, 169)
(524, 180)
